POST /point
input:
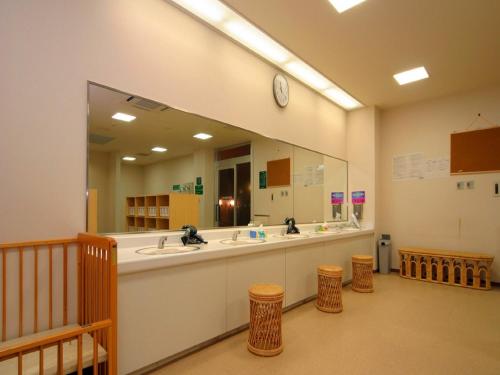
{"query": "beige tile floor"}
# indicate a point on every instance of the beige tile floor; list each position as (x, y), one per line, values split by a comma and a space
(405, 327)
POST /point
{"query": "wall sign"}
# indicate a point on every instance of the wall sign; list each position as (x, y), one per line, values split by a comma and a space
(262, 179)
(358, 197)
(337, 197)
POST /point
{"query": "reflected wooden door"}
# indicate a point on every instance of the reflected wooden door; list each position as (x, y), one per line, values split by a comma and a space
(226, 197)
(243, 195)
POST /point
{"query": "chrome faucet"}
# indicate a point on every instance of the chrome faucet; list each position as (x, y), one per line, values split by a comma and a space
(235, 235)
(161, 242)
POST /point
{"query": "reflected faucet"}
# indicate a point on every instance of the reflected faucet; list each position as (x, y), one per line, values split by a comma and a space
(291, 229)
(161, 242)
(235, 235)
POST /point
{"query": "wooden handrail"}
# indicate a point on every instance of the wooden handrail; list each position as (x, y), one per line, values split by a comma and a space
(14, 245)
(53, 339)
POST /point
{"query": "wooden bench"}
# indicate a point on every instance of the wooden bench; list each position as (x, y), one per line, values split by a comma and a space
(59, 306)
(469, 270)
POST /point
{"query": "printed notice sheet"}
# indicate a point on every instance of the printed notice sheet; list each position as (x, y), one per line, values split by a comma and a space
(408, 167)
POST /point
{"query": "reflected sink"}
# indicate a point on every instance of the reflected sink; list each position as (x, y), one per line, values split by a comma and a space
(242, 241)
(291, 236)
(168, 249)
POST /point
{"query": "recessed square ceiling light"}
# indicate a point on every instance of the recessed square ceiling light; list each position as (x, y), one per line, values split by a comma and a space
(411, 75)
(202, 136)
(343, 5)
(159, 149)
(123, 117)
(128, 158)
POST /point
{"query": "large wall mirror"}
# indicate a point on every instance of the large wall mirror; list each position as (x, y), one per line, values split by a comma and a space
(152, 167)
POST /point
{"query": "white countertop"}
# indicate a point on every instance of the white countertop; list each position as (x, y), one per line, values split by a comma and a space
(130, 262)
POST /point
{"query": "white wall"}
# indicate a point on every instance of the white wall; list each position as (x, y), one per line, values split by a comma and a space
(362, 129)
(159, 177)
(99, 179)
(149, 48)
(432, 212)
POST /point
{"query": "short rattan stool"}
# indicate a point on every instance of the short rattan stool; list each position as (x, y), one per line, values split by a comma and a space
(329, 289)
(362, 273)
(266, 302)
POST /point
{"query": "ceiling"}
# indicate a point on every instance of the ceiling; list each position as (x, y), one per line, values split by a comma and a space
(170, 128)
(458, 41)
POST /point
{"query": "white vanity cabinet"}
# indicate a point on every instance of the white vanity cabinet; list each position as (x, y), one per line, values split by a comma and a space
(301, 264)
(242, 271)
(170, 308)
(339, 252)
(165, 311)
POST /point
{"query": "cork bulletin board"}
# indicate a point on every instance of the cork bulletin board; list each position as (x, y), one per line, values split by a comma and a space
(278, 172)
(476, 151)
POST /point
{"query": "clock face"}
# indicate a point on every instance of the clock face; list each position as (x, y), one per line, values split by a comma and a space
(280, 90)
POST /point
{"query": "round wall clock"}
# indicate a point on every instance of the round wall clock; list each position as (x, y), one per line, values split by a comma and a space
(280, 90)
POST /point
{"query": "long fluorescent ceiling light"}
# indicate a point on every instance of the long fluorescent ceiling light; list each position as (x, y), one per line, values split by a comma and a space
(220, 16)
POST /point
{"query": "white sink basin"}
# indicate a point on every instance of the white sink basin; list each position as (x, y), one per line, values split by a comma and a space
(349, 230)
(242, 241)
(291, 236)
(319, 233)
(167, 249)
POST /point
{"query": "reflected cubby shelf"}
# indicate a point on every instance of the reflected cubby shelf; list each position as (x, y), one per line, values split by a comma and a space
(146, 213)
(161, 212)
(468, 270)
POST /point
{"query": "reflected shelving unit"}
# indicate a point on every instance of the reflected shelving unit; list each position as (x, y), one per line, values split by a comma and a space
(161, 212)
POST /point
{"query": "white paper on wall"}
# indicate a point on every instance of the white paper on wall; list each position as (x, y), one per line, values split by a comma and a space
(408, 167)
(437, 167)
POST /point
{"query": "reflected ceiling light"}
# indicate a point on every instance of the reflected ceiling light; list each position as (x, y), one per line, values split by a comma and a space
(412, 75)
(159, 149)
(223, 18)
(202, 136)
(123, 117)
(128, 158)
(247, 34)
(343, 5)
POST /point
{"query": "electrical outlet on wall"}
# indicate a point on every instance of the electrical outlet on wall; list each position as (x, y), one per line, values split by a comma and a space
(461, 185)
(470, 184)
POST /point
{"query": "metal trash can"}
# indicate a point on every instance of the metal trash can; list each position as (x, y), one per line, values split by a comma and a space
(384, 254)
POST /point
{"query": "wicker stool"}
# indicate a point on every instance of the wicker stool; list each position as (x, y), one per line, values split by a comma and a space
(329, 288)
(265, 319)
(362, 273)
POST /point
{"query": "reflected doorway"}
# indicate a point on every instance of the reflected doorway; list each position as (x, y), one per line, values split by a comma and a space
(233, 190)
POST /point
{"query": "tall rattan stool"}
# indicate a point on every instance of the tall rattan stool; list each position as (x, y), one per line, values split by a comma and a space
(266, 302)
(329, 289)
(362, 273)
